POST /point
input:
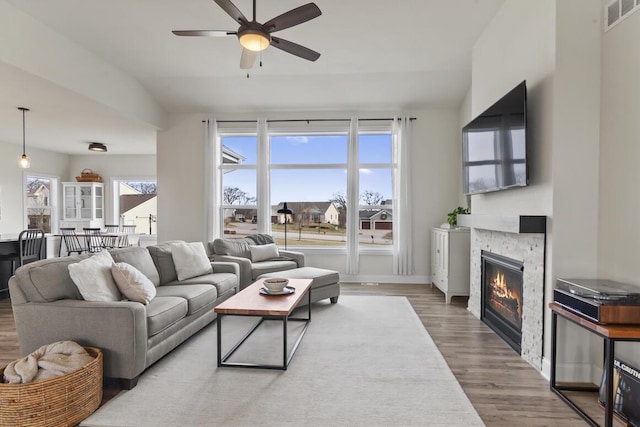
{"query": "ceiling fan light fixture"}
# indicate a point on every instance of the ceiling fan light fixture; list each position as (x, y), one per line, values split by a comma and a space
(98, 146)
(254, 40)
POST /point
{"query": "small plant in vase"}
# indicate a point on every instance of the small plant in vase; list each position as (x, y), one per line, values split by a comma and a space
(452, 217)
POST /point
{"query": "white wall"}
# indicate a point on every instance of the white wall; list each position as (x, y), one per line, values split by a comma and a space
(45, 53)
(554, 46)
(619, 201)
(181, 176)
(12, 218)
(436, 181)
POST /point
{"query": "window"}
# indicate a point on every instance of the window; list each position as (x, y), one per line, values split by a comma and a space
(239, 190)
(136, 203)
(41, 195)
(308, 171)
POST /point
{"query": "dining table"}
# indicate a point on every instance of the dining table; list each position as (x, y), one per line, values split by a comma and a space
(83, 235)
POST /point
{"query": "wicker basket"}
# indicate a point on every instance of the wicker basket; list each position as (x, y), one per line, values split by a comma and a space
(87, 175)
(60, 401)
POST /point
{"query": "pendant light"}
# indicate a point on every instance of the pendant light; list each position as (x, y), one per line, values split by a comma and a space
(25, 161)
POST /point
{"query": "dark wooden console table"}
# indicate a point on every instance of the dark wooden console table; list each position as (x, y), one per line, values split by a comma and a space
(610, 334)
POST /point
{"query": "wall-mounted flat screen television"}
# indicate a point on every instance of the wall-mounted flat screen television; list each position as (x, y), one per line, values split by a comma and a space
(494, 146)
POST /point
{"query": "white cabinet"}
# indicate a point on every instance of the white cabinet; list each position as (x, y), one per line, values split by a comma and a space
(83, 205)
(450, 261)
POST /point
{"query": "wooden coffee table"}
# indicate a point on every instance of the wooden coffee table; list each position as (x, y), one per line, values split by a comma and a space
(249, 302)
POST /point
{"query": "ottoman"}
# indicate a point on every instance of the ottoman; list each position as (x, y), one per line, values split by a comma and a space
(326, 283)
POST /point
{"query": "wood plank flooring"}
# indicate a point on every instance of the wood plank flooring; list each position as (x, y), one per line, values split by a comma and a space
(504, 389)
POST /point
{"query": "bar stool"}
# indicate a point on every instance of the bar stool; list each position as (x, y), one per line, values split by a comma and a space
(29, 249)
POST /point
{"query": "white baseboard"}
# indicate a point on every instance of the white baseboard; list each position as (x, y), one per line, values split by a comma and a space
(374, 278)
(572, 372)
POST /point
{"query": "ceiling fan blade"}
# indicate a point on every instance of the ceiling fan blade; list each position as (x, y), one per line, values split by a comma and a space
(232, 11)
(204, 33)
(248, 58)
(294, 17)
(294, 49)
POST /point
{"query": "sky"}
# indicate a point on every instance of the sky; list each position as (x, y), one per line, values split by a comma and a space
(294, 185)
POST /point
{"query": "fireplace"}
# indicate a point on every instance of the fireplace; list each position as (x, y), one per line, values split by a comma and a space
(501, 297)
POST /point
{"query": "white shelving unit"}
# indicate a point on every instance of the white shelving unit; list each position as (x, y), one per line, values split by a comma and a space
(450, 261)
(83, 205)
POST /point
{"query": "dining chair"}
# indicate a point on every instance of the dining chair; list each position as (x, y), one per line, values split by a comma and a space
(71, 240)
(111, 241)
(29, 248)
(124, 240)
(95, 241)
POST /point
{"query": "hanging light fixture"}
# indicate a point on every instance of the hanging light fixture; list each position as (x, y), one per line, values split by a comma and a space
(25, 161)
(98, 146)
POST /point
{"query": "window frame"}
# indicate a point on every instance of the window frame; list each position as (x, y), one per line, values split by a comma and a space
(285, 129)
(54, 185)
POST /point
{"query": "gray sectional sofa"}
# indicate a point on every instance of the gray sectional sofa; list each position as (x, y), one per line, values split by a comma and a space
(239, 252)
(48, 307)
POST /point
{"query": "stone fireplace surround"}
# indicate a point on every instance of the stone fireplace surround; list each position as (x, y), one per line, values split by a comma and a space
(528, 247)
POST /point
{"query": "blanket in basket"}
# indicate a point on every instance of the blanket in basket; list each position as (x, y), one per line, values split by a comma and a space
(51, 360)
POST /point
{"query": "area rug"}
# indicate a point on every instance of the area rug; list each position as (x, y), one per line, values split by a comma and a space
(365, 361)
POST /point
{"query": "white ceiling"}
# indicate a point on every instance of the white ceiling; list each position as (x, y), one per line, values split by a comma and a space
(377, 55)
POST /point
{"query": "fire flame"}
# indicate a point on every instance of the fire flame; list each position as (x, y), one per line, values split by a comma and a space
(502, 291)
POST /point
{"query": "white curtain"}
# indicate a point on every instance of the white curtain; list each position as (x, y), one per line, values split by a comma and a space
(402, 231)
(263, 177)
(213, 181)
(353, 199)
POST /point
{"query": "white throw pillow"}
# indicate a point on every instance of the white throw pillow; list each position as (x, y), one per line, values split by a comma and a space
(264, 252)
(132, 283)
(190, 260)
(93, 278)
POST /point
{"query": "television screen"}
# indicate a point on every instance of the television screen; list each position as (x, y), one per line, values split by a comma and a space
(494, 145)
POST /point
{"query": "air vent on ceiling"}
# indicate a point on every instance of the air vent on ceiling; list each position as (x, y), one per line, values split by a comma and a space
(618, 10)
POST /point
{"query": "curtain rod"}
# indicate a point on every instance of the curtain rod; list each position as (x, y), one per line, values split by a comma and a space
(308, 120)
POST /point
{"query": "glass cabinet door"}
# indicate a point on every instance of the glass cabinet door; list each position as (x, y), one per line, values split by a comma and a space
(99, 208)
(70, 208)
(86, 201)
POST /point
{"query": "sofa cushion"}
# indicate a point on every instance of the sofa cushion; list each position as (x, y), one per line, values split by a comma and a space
(163, 312)
(264, 252)
(224, 282)
(233, 247)
(132, 283)
(48, 280)
(197, 296)
(140, 259)
(258, 268)
(190, 260)
(93, 278)
(239, 247)
(163, 260)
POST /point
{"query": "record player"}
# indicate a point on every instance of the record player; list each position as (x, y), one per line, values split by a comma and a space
(603, 301)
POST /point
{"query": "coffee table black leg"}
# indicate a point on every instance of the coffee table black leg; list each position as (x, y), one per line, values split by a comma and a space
(220, 316)
(284, 343)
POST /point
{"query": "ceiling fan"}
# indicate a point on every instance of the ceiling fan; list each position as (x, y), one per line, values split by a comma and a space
(255, 37)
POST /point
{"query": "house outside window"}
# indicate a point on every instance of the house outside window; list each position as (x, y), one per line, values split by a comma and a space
(137, 204)
(308, 171)
(40, 193)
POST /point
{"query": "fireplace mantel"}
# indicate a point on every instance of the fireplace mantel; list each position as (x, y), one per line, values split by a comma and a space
(509, 224)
